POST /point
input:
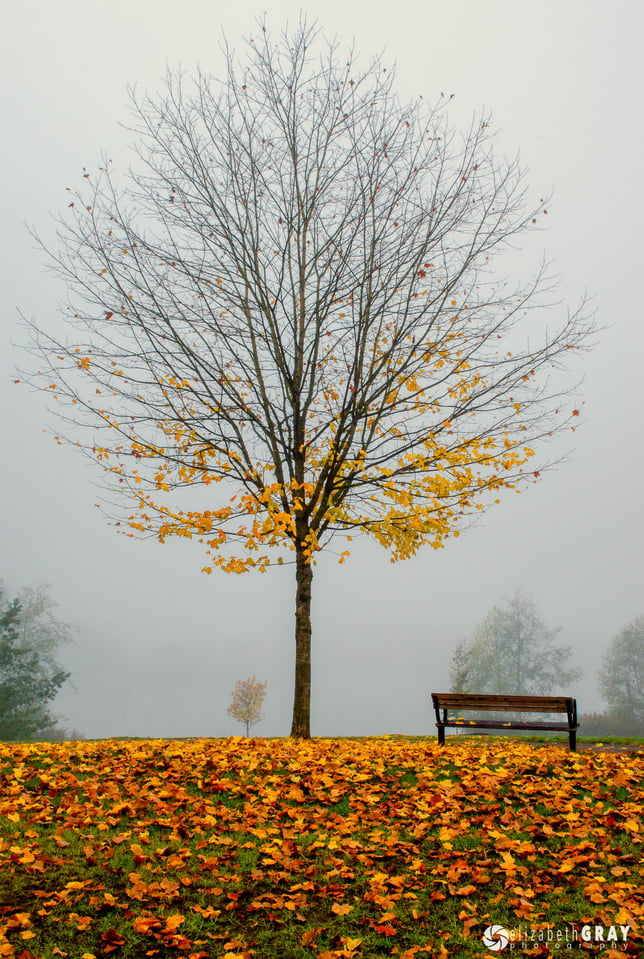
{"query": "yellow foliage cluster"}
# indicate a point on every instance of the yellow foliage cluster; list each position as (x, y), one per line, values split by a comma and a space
(403, 486)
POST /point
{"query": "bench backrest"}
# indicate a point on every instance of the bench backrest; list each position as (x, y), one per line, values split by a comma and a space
(533, 704)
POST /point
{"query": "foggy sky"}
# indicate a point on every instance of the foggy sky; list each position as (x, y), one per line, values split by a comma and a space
(159, 644)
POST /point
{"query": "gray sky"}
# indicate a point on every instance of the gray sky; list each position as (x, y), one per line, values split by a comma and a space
(160, 645)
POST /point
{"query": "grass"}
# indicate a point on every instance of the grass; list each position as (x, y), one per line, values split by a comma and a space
(275, 849)
(528, 738)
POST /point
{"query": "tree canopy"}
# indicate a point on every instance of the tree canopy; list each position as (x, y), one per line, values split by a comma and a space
(294, 307)
(247, 701)
(621, 680)
(512, 652)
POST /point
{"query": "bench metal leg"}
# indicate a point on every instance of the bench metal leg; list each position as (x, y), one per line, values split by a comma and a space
(441, 735)
(572, 736)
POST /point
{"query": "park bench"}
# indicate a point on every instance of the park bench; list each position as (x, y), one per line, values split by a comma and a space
(456, 702)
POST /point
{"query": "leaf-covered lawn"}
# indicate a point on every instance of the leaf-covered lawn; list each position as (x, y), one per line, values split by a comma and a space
(314, 849)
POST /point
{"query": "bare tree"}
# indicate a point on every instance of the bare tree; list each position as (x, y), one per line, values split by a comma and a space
(247, 702)
(296, 295)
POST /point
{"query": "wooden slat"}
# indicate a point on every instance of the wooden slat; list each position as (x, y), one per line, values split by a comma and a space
(484, 701)
(499, 724)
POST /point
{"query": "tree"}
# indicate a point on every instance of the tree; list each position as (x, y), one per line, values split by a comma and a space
(512, 652)
(460, 668)
(29, 675)
(39, 627)
(294, 301)
(621, 681)
(248, 699)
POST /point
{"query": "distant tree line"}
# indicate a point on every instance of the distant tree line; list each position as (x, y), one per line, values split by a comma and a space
(512, 652)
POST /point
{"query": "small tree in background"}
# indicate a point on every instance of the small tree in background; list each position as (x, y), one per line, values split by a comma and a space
(512, 652)
(621, 681)
(247, 702)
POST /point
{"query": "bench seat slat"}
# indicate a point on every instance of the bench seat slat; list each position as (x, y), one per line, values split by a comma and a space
(499, 724)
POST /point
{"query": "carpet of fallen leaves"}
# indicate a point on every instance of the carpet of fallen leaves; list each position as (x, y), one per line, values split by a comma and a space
(325, 848)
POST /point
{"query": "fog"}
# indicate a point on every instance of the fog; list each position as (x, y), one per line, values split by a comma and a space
(159, 644)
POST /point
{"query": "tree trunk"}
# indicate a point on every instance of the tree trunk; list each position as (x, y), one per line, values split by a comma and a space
(301, 726)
